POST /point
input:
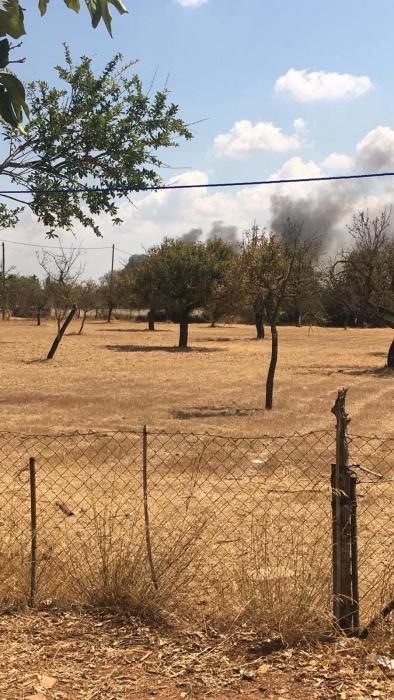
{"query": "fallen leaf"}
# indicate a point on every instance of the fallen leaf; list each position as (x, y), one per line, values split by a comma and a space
(47, 682)
(37, 696)
(264, 668)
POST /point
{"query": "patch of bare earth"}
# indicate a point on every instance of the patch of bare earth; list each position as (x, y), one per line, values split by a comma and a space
(56, 656)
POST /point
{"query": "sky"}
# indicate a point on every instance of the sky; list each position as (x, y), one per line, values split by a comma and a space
(280, 88)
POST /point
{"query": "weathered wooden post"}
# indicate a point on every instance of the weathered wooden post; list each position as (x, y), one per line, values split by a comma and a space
(344, 529)
(146, 507)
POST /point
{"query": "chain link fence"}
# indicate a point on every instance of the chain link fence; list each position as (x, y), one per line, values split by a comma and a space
(198, 521)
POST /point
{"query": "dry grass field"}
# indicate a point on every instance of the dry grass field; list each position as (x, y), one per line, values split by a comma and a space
(240, 529)
(120, 376)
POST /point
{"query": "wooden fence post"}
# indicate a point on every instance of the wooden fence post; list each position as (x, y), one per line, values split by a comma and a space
(146, 507)
(344, 527)
(33, 531)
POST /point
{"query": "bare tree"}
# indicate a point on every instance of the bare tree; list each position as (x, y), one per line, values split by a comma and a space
(61, 278)
(86, 299)
(362, 278)
(268, 262)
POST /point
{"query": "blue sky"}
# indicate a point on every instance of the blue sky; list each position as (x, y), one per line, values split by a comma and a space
(284, 87)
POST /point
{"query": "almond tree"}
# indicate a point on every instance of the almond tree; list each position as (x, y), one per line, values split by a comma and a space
(86, 295)
(267, 265)
(361, 280)
(89, 136)
(60, 286)
(180, 276)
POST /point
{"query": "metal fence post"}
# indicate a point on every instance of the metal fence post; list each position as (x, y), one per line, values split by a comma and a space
(354, 553)
(146, 508)
(33, 531)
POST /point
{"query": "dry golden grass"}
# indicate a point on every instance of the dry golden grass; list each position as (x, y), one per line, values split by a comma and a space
(240, 530)
(121, 376)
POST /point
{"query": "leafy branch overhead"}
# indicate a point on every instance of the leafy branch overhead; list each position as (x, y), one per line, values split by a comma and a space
(93, 130)
(12, 93)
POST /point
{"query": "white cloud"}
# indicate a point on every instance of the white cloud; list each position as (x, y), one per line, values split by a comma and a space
(174, 212)
(295, 167)
(376, 150)
(313, 86)
(324, 207)
(191, 3)
(245, 138)
(338, 162)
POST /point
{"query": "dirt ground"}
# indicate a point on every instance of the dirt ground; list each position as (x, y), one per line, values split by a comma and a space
(121, 376)
(54, 656)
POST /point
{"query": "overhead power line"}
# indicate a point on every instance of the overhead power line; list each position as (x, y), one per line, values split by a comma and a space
(240, 183)
(62, 247)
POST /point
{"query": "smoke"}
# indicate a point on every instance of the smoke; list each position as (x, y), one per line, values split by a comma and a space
(321, 217)
(192, 236)
(322, 211)
(218, 230)
(226, 233)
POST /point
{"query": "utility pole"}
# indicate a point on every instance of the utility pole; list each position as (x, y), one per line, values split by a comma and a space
(111, 277)
(3, 282)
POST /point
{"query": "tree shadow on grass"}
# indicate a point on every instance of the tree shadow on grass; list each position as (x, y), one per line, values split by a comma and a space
(132, 330)
(384, 372)
(35, 361)
(158, 348)
(216, 340)
(214, 411)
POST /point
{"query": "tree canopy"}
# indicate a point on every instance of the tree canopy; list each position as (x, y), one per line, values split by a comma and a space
(180, 276)
(98, 131)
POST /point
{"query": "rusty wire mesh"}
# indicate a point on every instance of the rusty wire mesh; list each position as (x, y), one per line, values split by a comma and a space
(224, 515)
(372, 460)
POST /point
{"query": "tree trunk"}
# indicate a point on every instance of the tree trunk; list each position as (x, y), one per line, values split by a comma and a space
(83, 322)
(390, 356)
(269, 388)
(183, 329)
(38, 316)
(110, 310)
(259, 323)
(61, 333)
(151, 320)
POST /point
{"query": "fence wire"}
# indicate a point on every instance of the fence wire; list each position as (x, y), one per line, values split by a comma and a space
(216, 515)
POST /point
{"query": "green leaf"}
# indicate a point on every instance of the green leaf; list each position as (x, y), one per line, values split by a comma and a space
(73, 5)
(42, 6)
(12, 99)
(4, 52)
(11, 19)
(119, 6)
(99, 10)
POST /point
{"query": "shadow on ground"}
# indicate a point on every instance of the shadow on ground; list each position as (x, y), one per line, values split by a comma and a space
(35, 361)
(384, 372)
(132, 330)
(216, 340)
(158, 348)
(214, 411)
